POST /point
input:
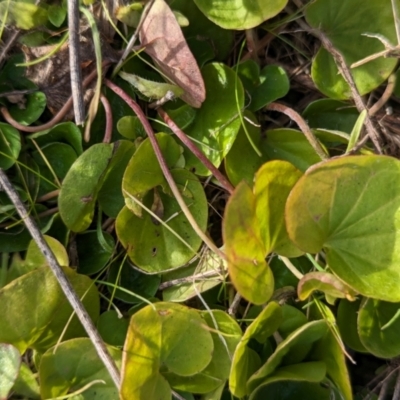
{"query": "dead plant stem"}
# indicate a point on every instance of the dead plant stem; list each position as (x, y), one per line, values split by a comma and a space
(74, 61)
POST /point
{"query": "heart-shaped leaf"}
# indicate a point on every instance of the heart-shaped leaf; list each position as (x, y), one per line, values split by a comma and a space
(349, 207)
(378, 327)
(344, 24)
(74, 365)
(217, 122)
(245, 247)
(240, 14)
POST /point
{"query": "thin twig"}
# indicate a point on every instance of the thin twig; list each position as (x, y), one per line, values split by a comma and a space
(385, 96)
(109, 119)
(396, 393)
(296, 117)
(6, 47)
(235, 304)
(63, 281)
(75, 62)
(134, 37)
(164, 167)
(189, 279)
(195, 150)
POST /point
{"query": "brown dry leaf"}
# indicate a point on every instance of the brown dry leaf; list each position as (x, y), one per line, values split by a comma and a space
(163, 40)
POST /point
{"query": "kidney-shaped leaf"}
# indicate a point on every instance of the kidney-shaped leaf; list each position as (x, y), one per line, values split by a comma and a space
(10, 145)
(149, 243)
(37, 310)
(273, 183)
(345, 25)
(161, 336)
(73, 365)
(350, 207)
(240, 14)
(79, 190)
(144, 172)
(217, 371)
(245, 248)
(372, 317)
(217, 122)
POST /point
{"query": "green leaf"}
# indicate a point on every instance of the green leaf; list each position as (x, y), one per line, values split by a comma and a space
(372, 317)
(66, 132)
(290, 145)
(203, 35)
(328, 351)
(323, 282)
(37, 310)
(132, 280)
(130, 127)
(57, 14)
(331, 114)
(274, 84)
(26, 383)
(217, 371)
(302, 337)
(10, 145)
(245, 248)
(245, 361)
(346, 319)
(240, 14)
(161, 336)
(217, 121)
(10, 361)
(150, 244)
(35, 259)
(277, 144)
(349, 207)
(144, 173)
(242, 162)
(34, 107)
(345, 25)
(57, 156)
(110, 197)
(92, 256)
(112, 328)
(273, 183)
(24, 15)
(74, 365)
(80, 187)
(152, 90)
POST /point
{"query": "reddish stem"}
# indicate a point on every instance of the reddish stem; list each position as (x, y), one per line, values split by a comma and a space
(196, 151)
(109, 119)
(164, 167)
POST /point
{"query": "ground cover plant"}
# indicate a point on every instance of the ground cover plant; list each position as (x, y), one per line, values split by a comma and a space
(200, 200)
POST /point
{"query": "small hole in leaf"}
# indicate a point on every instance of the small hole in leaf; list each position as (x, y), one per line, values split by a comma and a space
(154, 251)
